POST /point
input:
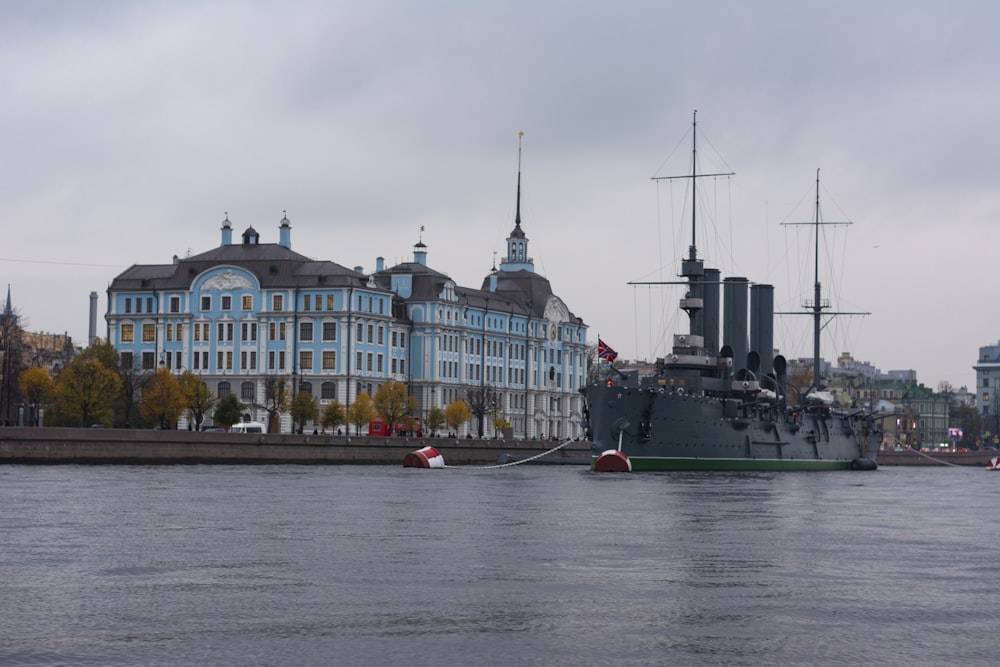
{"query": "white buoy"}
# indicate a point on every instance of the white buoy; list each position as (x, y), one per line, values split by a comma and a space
(428, 457)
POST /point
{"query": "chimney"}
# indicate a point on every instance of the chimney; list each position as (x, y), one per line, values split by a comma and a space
(92, 329)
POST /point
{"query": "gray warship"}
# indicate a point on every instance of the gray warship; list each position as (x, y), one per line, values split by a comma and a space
(708, 406)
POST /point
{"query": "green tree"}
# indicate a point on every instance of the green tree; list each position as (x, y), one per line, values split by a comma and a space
(457, 414)
(277, 399)
(163, 401)
(361, 412)
(37, 387)
(333, 415)
(392, 402)
(228, 411)
(198, 398)
(104, 352)
(304, 408)
(85, 390)
(435, 419)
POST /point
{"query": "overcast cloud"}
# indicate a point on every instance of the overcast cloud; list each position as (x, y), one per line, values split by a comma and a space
(128, 129)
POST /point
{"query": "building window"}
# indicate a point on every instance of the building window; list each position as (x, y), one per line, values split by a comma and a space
(360, 332)
(247, 302)
(248, 360)
(248, 391)
(249, 330)
(126, 360)
(148, 333)
(306, 388)
(306, 331)
(175, 304)
(128, 306)
(329, 331)
(307, 302)
(127, 332)
(277, 302)
(306, 361)
(227, 302)
(371, 333)
(148, 361)
(369, 359)
(328, 390)
(276, 331)
(329, 302)
(224, 390)
(329, 360)
(206, 303)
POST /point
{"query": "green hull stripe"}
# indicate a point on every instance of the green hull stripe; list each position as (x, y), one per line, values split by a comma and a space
(655, 464)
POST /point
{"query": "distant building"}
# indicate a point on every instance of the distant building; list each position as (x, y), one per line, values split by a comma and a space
(988, 384)
(245, 312)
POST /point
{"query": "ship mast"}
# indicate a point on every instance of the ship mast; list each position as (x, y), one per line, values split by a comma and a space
(692, 268)
(816, 307)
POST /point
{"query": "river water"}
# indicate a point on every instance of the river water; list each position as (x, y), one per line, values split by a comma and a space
(525, 565)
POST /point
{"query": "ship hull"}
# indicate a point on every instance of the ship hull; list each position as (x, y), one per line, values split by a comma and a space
(662, 430)
(668, 464)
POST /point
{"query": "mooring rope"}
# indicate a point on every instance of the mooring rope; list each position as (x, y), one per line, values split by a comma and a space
(944, 463)
(511, 463)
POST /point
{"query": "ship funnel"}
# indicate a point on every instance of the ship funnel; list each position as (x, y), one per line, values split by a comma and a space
(734, 318)
(762, 325)
(710, 313)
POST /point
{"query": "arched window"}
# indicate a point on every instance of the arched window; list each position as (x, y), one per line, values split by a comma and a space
(248, 391)
(306, 388)
(223, 390)
(328, 390)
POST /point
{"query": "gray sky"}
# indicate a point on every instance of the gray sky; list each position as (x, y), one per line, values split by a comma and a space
(127, 129)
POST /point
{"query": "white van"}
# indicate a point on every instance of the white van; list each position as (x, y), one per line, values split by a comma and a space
(248, 427)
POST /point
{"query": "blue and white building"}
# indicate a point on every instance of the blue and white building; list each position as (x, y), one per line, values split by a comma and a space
(245, 312)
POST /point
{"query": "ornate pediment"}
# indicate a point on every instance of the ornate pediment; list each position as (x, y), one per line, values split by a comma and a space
(227, 281)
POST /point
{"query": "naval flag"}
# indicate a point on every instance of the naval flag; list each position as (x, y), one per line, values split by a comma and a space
(605, 352)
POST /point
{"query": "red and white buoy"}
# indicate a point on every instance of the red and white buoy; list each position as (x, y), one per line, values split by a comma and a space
(612, 460)
(428, 457)
(994, 463)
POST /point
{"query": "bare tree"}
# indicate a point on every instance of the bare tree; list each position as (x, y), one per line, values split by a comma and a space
(482, 401)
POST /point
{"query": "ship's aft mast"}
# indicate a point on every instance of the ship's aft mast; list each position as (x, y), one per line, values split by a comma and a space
(816, 307)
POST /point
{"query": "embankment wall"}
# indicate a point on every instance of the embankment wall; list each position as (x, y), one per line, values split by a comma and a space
(130, 446)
